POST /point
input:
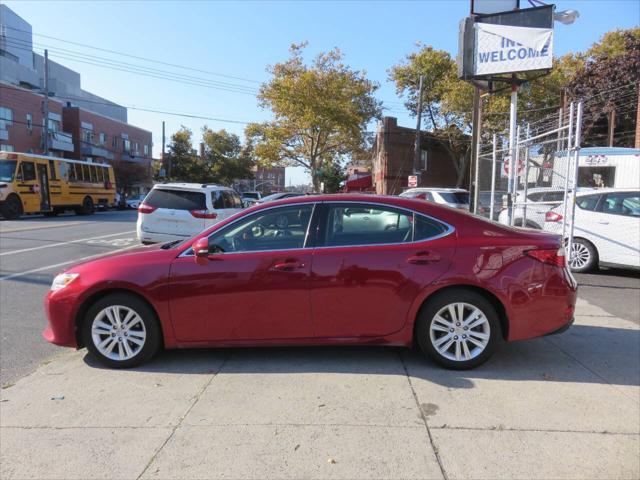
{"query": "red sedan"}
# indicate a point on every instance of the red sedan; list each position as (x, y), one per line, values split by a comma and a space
(339, 269)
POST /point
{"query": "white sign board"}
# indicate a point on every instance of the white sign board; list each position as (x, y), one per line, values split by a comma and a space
(507, 49)
(413, 181)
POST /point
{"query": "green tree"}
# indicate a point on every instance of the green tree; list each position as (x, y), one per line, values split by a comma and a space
(332, 174)
(225, 160)
(181, 161)
(320, 113)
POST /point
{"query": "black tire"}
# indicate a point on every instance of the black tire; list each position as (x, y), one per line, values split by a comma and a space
(87, 207)
(12, 208)
(436, 304)
(151, 327)
(588, 256)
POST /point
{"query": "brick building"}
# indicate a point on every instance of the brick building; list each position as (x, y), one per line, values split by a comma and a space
(265, 181)
(393, 156)
(22, 122)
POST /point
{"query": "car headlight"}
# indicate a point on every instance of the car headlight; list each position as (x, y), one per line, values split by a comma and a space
(63, 280)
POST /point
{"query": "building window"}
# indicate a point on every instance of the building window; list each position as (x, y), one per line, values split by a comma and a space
(29, 123)
(54, 126)
(114, 143)
(6, 118)
(126, 146)
(146, 150)
(6, 148)
(423, 159)
(87, 136)
(103, 139)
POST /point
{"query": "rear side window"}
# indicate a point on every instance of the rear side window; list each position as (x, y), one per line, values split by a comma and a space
(455, 197)
(588, 203)
(426, 228)
(554, 196)
(176, 199)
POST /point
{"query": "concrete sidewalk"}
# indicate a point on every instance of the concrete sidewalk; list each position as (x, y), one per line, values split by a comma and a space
(557, 407)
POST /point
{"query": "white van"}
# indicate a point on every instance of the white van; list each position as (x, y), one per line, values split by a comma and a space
(175, 211)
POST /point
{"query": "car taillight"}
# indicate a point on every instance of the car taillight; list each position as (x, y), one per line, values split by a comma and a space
(552, 257)
(144, 208)
(203, 214)
(552, 217)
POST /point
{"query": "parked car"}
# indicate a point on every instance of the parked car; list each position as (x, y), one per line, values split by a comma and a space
(279, 196)
(250, 198)
(455, 284)
(452, 197)
(175, 211)
(484, 203)
(539, 201)
(607, 229)
(134, 202)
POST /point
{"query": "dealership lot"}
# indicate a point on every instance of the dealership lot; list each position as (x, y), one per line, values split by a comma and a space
(566, 406)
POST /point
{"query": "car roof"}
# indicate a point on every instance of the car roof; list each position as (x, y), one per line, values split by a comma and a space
(435, 189)
(599, 191)
(191, 186)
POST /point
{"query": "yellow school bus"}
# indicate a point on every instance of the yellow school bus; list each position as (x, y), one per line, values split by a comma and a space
(50, 185)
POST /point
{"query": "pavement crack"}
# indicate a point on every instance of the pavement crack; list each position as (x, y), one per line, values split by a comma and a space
(184, 415)
(423, 416)
(527, 430)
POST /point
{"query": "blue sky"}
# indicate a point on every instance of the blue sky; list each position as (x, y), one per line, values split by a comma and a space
(239, 39)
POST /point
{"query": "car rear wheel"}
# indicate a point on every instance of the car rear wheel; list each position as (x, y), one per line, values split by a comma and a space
(459, 329)
(584, 256)
(121, 331)
(87, 207)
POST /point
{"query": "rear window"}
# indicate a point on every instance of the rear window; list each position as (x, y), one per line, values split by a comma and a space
(254, 195)
(176, 199)
(455, 197)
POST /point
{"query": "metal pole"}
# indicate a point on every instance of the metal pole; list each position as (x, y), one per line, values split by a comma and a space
(493, 178)
(164, 158)
(417, 147)
(516, 162)
(566, 173)
(513, 111)
(45, 143)
(576, 154)
(526, 177)
(475, 149)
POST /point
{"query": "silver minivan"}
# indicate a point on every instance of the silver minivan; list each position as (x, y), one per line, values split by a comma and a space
(176, 211)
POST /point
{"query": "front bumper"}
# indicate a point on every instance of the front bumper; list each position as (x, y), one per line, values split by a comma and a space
(61, 314)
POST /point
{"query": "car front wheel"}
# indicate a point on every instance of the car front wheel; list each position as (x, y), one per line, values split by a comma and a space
(459, 329)
(121, 331)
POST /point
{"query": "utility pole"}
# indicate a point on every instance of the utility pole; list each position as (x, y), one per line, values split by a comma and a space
(513, 147)
(417, 149)
(612, 126)
(638, 121)
(164, 158)
(45, 106)
(475, 149)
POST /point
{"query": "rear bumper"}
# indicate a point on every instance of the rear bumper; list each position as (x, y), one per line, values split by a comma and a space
(562, 329)
(155, 237)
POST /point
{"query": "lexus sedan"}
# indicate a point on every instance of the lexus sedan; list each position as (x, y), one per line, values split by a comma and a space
(343, 269)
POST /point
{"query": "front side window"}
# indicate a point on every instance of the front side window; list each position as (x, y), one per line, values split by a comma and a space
(622, 203)
(28, 170)
(362, 224)
(283, 228)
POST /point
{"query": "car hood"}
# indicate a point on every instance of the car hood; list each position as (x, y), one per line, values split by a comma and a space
(130, 257)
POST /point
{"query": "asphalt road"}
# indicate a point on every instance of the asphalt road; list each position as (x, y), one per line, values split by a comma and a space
(33, 250)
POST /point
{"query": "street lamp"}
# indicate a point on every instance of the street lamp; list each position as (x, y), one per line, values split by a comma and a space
(566, 17)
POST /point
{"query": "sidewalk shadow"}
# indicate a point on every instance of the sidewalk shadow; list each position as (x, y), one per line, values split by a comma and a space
(584, 354)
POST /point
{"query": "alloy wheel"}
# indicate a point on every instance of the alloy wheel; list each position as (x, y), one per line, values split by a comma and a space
(580, 256)
(118, 332)
(460, 331)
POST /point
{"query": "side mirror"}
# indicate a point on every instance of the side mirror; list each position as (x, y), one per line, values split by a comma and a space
(201, 250)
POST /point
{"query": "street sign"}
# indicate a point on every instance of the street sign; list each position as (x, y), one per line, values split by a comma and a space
(506, 166)
(413, 181)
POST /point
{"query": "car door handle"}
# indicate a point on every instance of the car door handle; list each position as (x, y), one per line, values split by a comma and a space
(423, 258)
(287, 266)
(602, 222)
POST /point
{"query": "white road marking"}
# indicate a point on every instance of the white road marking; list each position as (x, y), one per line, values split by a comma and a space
(38, 226)
(75, 260)
(64, 243)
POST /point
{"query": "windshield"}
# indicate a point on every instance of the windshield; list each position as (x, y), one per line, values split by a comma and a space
(273, 196)
(455, 197)
(7, 170)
